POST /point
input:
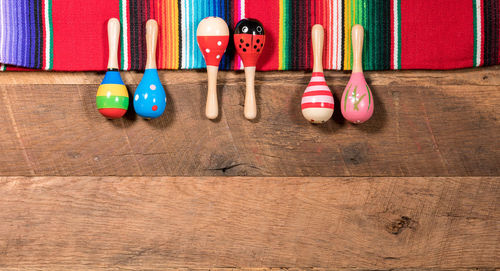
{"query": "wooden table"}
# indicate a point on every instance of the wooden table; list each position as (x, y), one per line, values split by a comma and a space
(416, 187)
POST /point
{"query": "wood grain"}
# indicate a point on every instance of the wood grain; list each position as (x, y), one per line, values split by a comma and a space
(427, 123)
(91, 223)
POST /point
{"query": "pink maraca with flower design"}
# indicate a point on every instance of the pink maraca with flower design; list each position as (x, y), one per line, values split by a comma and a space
(357, 101)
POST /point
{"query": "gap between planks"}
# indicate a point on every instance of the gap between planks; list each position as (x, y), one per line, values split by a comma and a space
(487, 76)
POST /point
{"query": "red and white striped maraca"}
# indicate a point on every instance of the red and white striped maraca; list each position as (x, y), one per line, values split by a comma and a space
(317, 100)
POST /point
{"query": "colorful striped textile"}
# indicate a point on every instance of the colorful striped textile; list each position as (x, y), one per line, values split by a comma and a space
(399, 34)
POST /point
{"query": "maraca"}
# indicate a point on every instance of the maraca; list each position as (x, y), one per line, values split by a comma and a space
(317, 100)
(212, 35)
(149, 98)
(249, 40)
(112, 95)
(357, 100)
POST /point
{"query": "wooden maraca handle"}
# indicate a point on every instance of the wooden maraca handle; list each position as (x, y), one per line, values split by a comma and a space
(212, 106)
(318, 36)
(250, 109)
(151, 39)
(357, 48)
(113, 40)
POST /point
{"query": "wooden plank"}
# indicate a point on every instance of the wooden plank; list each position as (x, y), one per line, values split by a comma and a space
(13, 154)
(426, 123)
(91, 223)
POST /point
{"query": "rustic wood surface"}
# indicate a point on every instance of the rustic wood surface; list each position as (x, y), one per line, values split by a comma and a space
(382, 208)
(157, 223)
(426, 123)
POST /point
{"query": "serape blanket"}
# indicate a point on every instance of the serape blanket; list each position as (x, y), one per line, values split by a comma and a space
(70, 35)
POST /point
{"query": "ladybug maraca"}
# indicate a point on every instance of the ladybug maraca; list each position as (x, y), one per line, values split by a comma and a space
(357, 100)
(249, 40)
(112, 95)
(212, 36)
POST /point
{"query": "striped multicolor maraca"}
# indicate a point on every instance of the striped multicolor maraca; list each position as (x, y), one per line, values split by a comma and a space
(212, 36)
(112, 95)
(317, 100)
(149, 97)
(249, 40)
(357, 99)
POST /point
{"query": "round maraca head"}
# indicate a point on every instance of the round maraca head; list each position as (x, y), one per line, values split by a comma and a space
(249, 40)
(317, 101)
(357, 100)
(150, 99)
(112, 96)
(213, 36)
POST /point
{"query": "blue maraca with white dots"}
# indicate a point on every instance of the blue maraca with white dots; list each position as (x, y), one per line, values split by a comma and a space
(149, 98)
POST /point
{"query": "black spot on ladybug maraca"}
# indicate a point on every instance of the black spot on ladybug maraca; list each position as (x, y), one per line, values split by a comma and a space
(255, 46)
(257, 41)
(240, 45)
(241, 41)
(247, 45)
(258, 50)
(244, 50)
